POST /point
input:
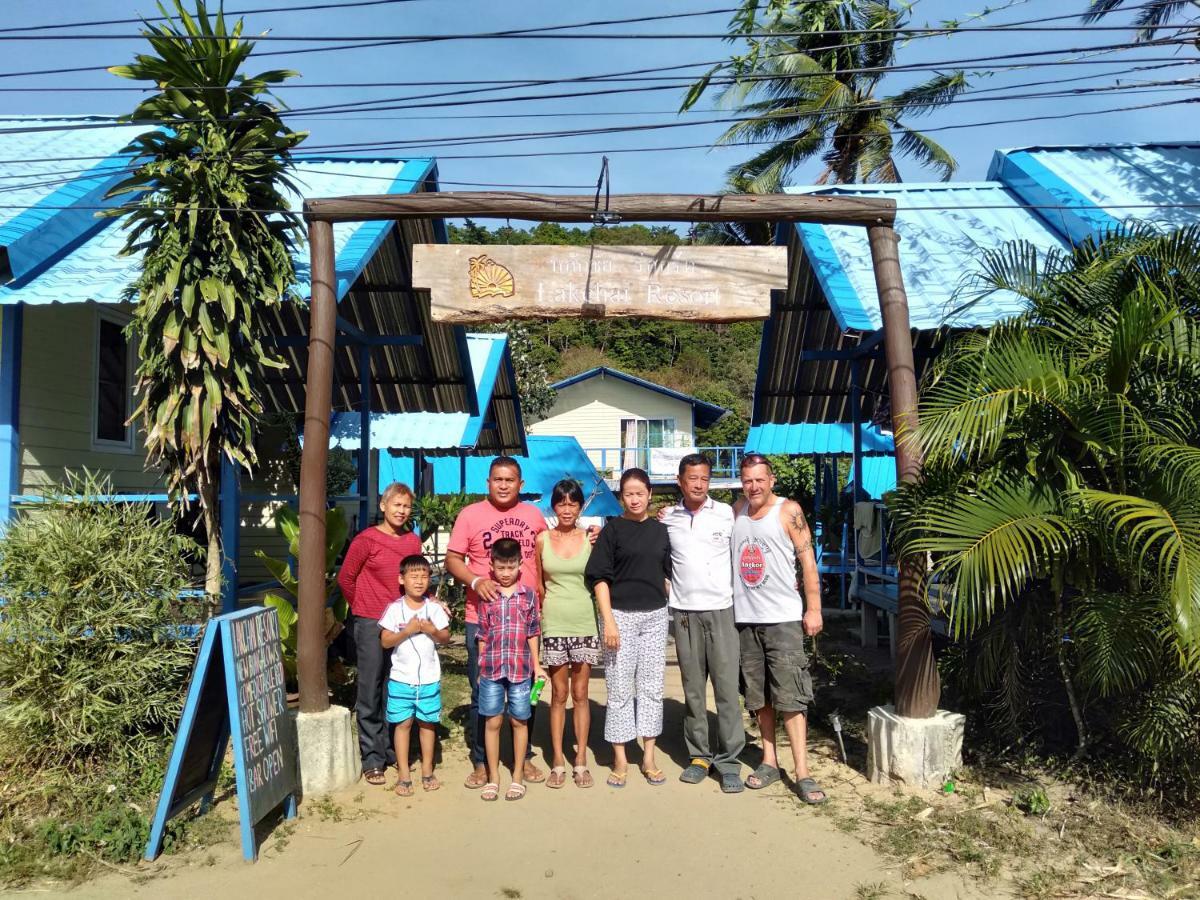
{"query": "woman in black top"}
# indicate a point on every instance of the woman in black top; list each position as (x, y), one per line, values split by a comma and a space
(629, 571)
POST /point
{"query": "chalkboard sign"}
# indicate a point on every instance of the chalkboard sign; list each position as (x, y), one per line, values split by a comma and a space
(237, 691)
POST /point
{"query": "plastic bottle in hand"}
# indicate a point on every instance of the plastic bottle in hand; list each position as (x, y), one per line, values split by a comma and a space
(536, 691)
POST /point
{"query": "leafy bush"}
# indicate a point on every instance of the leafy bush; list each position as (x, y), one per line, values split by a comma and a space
(89, 660)
(93, 668)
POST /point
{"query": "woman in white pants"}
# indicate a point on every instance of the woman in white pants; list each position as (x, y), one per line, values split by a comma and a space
(629, 571)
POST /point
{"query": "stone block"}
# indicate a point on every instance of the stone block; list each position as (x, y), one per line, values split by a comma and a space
(915, 753)
(329, 759)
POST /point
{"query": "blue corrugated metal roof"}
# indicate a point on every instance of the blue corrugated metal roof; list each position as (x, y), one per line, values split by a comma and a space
(879, 475)
(815, 437)
(430, 431)
(1099, 185)
(943, 227)
(551, 458)
(705, 413)
(44, 212)
(92, 269)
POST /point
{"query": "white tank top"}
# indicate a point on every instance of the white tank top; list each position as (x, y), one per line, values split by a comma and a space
(764, 563)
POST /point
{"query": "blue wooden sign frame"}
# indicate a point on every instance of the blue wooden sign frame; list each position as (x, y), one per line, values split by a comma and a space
(219, 631)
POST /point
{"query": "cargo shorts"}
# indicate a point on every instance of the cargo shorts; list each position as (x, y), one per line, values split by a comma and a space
(775, 667)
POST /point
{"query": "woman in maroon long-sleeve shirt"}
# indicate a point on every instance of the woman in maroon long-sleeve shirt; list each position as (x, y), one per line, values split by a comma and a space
(369, 579)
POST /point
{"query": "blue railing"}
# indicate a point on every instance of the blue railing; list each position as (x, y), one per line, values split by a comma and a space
(663, 465)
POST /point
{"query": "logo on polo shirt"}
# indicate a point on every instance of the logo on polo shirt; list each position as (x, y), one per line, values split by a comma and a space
(752, 565)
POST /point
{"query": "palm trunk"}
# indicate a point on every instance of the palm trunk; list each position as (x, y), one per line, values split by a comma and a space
(1068, 683)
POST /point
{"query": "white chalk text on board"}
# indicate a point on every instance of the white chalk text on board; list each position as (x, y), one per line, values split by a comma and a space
(495, 283)
(261, 696)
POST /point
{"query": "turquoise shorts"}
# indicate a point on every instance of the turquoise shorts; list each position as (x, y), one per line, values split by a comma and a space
(408, 700)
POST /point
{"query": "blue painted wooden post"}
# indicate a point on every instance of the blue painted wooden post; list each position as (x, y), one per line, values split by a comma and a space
(856, 419)
(364, 439)
(230, 533)
(10, 404)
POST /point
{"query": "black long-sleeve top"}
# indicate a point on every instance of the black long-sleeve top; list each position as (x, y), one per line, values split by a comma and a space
(633, 559)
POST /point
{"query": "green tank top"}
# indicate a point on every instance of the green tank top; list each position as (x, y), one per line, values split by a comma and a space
(567, 610)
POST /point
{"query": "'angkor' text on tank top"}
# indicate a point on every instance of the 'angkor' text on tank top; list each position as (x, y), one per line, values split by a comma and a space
(764, 563)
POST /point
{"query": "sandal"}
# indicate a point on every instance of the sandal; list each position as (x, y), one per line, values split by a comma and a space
(654, 776)
(491, 791)
(695, 773)
(375, 776)
(616, 779)
(515, 791)
(532, 773)
(806, 788)
(430, 782)
(764, 776)
(558, 777)
(404, 789)
(475, 781)
(582, 777)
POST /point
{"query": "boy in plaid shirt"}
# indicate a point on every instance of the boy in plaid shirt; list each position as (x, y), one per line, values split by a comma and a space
(508, 661)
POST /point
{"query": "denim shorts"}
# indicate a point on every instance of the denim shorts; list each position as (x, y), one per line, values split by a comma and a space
(404, 701)
(495, 696)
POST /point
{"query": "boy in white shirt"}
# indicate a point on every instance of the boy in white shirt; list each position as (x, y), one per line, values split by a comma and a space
(412, 627)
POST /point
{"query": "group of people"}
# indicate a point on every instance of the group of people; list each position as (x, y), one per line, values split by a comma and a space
(549, 603)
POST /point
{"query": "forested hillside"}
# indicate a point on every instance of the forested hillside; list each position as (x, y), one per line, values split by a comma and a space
(716, 363)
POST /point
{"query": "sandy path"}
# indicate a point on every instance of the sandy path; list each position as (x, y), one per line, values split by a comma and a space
(670, 841)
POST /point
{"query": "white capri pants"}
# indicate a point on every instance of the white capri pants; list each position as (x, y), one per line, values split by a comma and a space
(633, 675)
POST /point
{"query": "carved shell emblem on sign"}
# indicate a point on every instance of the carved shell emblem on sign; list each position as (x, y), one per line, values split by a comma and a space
(489, 278)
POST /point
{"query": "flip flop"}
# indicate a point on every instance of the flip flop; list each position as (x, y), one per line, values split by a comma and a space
(475, 781)
(375, 776)
(491, 791)
(582, 777)
(806, 787)
(430, 782)
(532, 773)
(765, 776)
(654, 776)
(616, 780)
(404, 789)
(558, 777)
(515, 791)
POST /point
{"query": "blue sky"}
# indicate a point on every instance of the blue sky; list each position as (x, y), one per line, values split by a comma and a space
(678, 171)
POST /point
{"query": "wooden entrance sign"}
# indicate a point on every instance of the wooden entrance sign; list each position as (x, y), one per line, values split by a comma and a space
(498, 283)
(236, 691)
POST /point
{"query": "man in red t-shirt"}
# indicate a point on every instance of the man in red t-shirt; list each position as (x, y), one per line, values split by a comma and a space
(502, 515)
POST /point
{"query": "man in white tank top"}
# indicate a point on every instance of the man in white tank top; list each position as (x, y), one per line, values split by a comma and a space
(769, 537)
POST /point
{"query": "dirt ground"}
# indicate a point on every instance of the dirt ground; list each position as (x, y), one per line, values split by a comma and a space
(670, 841)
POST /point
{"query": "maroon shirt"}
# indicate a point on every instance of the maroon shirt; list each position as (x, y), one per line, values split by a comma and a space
(370, 574)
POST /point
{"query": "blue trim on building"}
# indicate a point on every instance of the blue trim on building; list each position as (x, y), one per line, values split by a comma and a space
(11, 318)
(43, 232)
(843, 299)
(487, 385)
(1038, 187)
(706, 413)
(231, 520)
(369, 236)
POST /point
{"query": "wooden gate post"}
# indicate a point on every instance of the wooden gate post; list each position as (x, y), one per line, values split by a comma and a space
(318, 405)
(917, 687)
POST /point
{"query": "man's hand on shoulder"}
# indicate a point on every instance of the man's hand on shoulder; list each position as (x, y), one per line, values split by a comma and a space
(487, 589)
(593, 532)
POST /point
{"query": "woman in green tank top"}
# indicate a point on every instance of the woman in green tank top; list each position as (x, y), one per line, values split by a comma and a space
(570, 643)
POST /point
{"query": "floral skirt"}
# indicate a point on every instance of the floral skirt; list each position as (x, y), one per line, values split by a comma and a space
(559, 651)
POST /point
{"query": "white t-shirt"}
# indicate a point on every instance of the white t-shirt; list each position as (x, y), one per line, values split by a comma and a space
(701, 558)
(415, 659)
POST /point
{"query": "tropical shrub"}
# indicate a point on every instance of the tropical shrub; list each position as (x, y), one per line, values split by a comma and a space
(94, 662)
(337, 530)
(1061, 498)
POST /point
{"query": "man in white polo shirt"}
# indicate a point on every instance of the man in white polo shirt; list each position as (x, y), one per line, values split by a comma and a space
(706, 640)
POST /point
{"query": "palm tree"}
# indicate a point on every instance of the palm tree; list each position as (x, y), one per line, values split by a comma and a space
(811, 87)
(1150, 17)
(214, 229)
(1061, 499)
